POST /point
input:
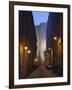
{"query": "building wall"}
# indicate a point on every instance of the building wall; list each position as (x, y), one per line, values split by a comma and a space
(55, 29)
(27, 37)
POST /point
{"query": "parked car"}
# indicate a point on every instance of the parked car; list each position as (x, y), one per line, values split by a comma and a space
(51, 67)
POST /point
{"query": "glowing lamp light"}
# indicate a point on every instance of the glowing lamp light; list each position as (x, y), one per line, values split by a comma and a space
(55, 38)
(29, 51)
(36, 60)
(48, 48)
(26, 47)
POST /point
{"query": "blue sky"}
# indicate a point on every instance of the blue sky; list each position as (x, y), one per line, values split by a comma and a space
(40, 17)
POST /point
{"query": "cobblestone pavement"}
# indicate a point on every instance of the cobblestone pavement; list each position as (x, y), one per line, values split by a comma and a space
(41, 71)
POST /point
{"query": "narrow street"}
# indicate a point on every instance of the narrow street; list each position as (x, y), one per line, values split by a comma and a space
(41, 72)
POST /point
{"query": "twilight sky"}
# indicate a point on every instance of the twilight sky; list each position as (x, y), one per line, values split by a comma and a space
(40, 17)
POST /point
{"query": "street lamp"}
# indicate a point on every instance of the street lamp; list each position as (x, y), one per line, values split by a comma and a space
(35, 60)
(55, 38)
(49, 49)
(25, 47)
(29, 51)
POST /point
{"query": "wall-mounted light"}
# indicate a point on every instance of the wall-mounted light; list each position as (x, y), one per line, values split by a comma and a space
(29, 51)
(25, 47)
(49, 48)
(35, 60)
(55, 38)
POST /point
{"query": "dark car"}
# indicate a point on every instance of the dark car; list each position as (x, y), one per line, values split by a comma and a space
(51, 67)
